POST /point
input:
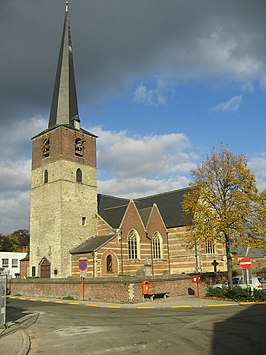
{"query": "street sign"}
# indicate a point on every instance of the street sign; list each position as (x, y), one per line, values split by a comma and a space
(245, 263)
(196, 279)
(83, 265)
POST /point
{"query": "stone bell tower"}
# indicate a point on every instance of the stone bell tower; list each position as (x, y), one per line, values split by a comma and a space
(63, 177)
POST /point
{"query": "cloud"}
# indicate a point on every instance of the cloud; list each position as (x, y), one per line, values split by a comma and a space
(151, 97)
(15, 168)
(228, 106)
(257, 163)
(125, 156)
(14, 212)
(117, 42)
(139, 187)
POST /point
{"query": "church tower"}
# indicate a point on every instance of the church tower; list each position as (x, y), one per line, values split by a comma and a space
(63, 177)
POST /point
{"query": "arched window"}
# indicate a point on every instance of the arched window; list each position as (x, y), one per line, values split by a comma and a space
(132, 241)
(45, 177)
(109, 263)
(157, 246)
(79, 175)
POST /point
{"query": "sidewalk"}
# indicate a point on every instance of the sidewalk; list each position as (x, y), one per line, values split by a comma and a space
(14, 342)
(170, 302)
(14, 339)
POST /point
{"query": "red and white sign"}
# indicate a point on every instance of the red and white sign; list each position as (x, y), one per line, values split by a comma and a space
(245, 263)
(83, 265)
(196, 279)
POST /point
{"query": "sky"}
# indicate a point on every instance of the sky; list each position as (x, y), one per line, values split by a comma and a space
(159, 82)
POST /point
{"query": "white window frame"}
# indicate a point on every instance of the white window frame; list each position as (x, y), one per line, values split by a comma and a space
(157, 246)
(133, 245)
(14, 263)
(5, 262)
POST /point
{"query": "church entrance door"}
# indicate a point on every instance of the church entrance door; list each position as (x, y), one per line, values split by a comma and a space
(45, 269)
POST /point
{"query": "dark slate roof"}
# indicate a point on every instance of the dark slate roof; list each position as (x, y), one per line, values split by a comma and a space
(145, 214)
(92, 244)
(112, 209)
(169, 204)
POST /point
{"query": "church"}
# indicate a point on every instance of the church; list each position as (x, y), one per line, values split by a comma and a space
(71, 222)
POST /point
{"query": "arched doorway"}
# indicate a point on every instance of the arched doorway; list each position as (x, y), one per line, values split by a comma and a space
(45, 268)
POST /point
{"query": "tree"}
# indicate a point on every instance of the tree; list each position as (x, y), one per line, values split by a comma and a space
(15, 241)
(224, 205)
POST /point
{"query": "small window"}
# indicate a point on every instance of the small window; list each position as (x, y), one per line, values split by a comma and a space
(45, 176)
(79, 175)
(4, 262)
(210, 247)
(83, 221)
(33, 271)
(14, 262)
(109, 262)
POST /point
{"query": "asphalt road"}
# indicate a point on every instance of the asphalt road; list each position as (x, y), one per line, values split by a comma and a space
(75, 329)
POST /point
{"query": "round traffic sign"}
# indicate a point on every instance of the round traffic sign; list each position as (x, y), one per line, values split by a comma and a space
(83, 265)
(245, 263)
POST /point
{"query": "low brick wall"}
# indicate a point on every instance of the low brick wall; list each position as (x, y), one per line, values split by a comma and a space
(117, 289)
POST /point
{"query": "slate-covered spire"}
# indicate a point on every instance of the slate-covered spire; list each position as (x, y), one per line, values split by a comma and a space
(64, 108)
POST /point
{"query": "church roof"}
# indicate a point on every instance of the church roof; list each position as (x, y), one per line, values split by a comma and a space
(112, 209)
(145, 214)
(92, 244)
(64, 108)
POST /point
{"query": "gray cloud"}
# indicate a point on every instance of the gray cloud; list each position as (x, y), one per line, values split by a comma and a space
(116, 41)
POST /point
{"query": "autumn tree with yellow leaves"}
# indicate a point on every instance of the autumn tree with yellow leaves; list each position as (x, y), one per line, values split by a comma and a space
(224, 205)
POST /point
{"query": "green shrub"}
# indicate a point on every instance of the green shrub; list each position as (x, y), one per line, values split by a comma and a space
(68, 298)
(260, 295)
(237, 294)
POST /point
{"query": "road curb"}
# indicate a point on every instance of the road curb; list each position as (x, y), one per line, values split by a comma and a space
(132, 306)
(25, 343)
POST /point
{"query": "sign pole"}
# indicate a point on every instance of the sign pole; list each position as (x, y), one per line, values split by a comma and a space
(82, 265)
(82, 286)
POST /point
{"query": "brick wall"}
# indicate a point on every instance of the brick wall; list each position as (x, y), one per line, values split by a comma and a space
(102, 289)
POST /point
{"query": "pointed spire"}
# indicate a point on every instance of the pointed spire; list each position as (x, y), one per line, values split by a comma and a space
(64, 108)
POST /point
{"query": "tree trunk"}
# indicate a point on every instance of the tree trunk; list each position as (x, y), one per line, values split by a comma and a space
(229, 262)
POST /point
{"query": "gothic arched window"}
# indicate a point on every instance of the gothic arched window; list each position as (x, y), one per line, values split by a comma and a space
(109, 263)
(133, 241)
(45, 177)
(157, 246)
(79, 175)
